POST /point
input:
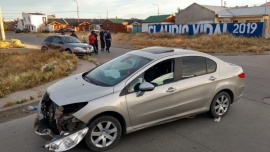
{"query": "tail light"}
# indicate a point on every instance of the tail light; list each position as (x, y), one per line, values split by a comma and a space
(242, 75)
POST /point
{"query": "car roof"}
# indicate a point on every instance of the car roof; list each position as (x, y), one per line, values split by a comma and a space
(161, 52)
(60, 36)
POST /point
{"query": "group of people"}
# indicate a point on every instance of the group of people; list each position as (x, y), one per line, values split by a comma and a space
(105, 39)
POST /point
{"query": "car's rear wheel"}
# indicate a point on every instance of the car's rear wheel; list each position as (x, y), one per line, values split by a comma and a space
(220, 105)
(44, 48)
(104, 133)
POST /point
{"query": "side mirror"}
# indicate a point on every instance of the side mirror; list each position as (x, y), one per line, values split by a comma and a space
(61, 42)
(145, 86)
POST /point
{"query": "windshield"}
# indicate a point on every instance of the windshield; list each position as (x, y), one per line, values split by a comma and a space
(71, 39)
(115, 71)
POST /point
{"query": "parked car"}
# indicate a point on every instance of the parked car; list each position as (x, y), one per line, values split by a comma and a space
(69, 30)
(137, 90)
(17, 30)
(67, 43)
(63, 30)
(22, 31)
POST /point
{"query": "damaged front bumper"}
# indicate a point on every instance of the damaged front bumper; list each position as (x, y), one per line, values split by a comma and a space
(62, 142)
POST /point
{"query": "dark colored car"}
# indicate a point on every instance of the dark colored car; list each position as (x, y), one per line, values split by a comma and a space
(67, 43)
(63, 30)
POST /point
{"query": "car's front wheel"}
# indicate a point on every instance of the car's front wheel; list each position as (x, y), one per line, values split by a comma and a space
(220, 105)
(104, 133)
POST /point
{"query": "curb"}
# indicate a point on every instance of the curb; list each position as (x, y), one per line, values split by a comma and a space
(17, 111)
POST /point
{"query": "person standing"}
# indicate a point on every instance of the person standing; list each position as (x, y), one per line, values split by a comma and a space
(96, 41)
(92, 39)
(108, 39)
(74, 34)
(102, 42)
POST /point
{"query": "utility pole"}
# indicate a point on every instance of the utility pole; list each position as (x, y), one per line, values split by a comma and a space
(265, 6)
(77, 11)
(3, 36)
(157, 6)
(107, 14)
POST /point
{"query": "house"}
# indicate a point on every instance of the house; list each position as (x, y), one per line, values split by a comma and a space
(57, 23)
(266, 4)
(134, 25)
(115, 25)
(198, 14)
(159, 19)
(19, 24)
(244, 14)
(8, 25)
(34, 21)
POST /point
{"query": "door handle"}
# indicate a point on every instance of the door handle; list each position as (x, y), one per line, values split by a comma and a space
(212, 78)
(171, 89)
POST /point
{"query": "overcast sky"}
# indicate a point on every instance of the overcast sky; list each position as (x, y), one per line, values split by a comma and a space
(98, 8)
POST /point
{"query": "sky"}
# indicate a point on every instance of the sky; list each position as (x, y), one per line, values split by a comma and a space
(12, 9)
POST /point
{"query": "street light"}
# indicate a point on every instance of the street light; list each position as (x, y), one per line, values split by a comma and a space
(77, 11)
(157, 6)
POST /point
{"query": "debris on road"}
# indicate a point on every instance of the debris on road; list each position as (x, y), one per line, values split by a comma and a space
(32, 108)
(217, 119)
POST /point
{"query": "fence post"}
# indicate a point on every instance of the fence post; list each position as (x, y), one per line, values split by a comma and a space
(265, 29)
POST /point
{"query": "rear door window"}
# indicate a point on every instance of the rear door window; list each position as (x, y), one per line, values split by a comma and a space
(193, 66)
(57, 39)
(49, 39)
(211, 66)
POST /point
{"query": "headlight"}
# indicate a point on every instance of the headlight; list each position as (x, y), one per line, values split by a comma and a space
(68, 142)
(78, 48)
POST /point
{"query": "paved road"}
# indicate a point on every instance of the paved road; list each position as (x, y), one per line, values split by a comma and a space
(244, 129)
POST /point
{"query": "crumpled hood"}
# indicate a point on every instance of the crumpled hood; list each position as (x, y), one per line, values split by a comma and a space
(75, 89)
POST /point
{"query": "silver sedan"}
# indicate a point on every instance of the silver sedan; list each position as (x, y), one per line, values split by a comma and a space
(139, 89)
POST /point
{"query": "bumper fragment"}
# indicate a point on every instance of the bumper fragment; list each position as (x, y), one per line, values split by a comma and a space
(62, 142)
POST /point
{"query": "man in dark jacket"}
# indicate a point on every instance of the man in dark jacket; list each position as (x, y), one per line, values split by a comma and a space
(102, 42)
(74, 34)
(96, 41)
(108, 39)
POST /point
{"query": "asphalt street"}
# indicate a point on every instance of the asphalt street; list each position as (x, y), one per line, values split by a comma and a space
(244, 129)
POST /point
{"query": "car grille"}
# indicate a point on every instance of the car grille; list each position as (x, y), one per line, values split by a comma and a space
(87, 48)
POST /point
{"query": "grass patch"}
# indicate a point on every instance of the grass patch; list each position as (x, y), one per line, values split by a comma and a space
(91, 59)
(22, 70)
(12, 103)
(200, 42)
(13, 43)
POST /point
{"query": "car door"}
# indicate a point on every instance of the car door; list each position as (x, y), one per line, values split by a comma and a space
(157, 104)
(199, 76)
(58, 43)
(48, 42)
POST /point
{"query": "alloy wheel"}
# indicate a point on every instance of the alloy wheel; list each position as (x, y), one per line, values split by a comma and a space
(104, 134)
(222, 105)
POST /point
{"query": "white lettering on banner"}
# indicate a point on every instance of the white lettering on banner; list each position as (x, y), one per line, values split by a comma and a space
(243, 28)
(185, 29)
(150, 28)
(224, 28)
(208, 27)
(196, 28)
(175, 29)
(218, 29)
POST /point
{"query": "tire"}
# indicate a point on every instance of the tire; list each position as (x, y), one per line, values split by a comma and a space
(220, 105)
(99, 133)
(44, 48)
(69, 51)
